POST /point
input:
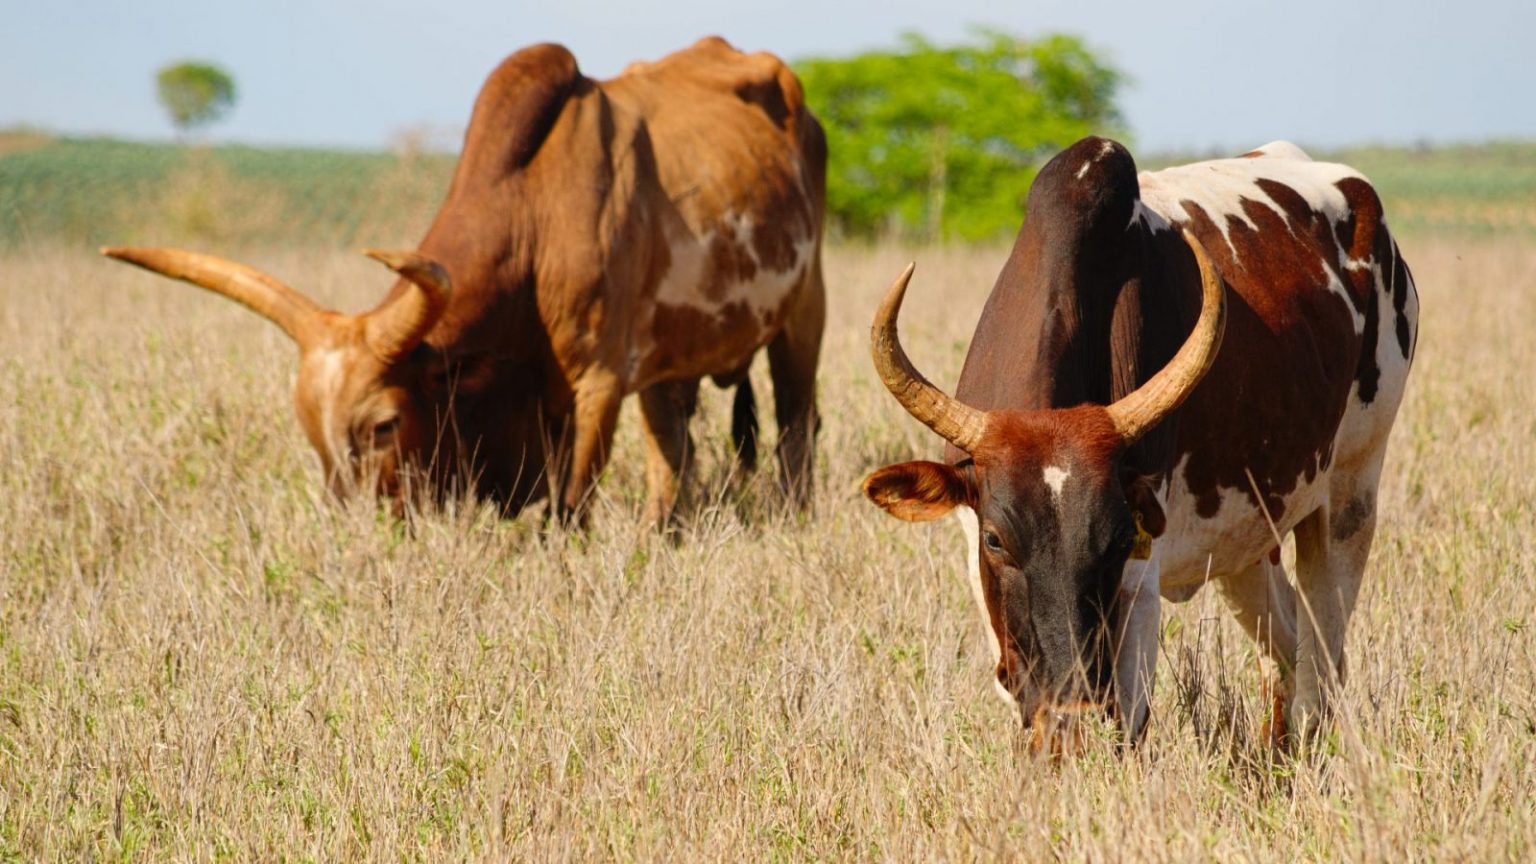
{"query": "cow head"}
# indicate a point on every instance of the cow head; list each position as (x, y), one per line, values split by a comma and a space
(1056, 523)
(365, 394)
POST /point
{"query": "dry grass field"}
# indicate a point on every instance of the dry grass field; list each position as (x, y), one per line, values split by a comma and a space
(202, 658)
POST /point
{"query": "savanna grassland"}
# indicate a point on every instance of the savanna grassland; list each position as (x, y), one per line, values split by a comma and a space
(203, 657)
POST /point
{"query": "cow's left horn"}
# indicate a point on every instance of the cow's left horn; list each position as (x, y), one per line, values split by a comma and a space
(959, 423)
(300, 317)
(1145, 407)
(399, 325)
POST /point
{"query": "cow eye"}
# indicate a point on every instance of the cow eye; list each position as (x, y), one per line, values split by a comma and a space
(385, 429)
(994, 542)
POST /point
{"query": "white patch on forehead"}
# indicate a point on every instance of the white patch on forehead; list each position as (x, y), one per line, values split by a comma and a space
(1083, 170)
(1056, 477)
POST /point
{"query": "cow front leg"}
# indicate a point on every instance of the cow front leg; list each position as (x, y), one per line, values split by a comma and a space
(667, 408)
(1330, 561)
(1138, 621)
(593, 419)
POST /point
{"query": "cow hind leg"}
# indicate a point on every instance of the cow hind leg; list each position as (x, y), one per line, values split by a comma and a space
(744, 427)
(1264, 603)
(792, 359)
(667, 408)
(1332, 545)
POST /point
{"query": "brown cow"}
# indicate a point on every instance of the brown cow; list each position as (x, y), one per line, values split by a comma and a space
(1106, 445)
(600, 238)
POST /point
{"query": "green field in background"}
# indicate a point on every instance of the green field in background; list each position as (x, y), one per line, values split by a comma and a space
(96, 191)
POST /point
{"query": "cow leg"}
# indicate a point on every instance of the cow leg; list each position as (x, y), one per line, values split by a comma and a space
(667, 408)
(594, 418)
(792, 359)
(1139, 620)
(1330, 561)
(1262, 600)
(744, 427)
(743, 416)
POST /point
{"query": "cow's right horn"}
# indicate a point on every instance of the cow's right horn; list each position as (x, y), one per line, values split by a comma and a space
(399, 325)
(1138, 411)
(958, 423)
(268, 297)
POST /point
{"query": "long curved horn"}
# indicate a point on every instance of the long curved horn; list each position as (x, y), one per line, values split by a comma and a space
(958, 423)
(398, 326)
(299, 316)
(1146, 406)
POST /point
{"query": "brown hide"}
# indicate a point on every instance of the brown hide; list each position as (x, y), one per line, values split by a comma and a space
(599, 238)
(586, 201)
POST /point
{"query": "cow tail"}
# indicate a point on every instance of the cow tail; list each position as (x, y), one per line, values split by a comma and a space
(744, 425)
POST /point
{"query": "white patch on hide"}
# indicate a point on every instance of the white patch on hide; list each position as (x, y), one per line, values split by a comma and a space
(1283, 150)
(1220, 187)
(1195, 549)
(764, 293)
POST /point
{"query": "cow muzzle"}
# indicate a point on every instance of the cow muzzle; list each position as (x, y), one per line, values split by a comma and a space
(1059, 729)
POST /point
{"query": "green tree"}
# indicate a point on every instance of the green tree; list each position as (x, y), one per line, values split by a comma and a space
(938, 142)
(194, 94)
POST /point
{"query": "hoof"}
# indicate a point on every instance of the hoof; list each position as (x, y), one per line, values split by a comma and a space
(1276, 731)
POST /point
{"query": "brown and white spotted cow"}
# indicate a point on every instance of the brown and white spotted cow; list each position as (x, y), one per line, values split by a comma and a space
(1119, 376)
(600, 238)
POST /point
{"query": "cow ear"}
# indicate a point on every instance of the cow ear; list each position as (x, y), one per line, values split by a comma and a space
(918, 491)
(1141, 494)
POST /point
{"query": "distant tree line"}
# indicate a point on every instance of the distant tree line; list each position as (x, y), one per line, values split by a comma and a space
(937, 142)
(927, 142)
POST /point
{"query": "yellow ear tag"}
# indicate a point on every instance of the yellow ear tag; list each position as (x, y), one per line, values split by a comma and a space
(1141, 549)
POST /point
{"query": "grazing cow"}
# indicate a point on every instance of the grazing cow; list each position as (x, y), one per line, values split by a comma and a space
(1173, 371)
(599, 238)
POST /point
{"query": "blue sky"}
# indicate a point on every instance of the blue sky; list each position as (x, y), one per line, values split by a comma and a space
(1205, 75)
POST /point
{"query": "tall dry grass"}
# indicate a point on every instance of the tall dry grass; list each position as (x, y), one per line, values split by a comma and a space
(202, 658)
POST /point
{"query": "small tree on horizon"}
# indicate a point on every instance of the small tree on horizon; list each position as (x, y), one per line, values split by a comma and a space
(939, 142)
(194, 94)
